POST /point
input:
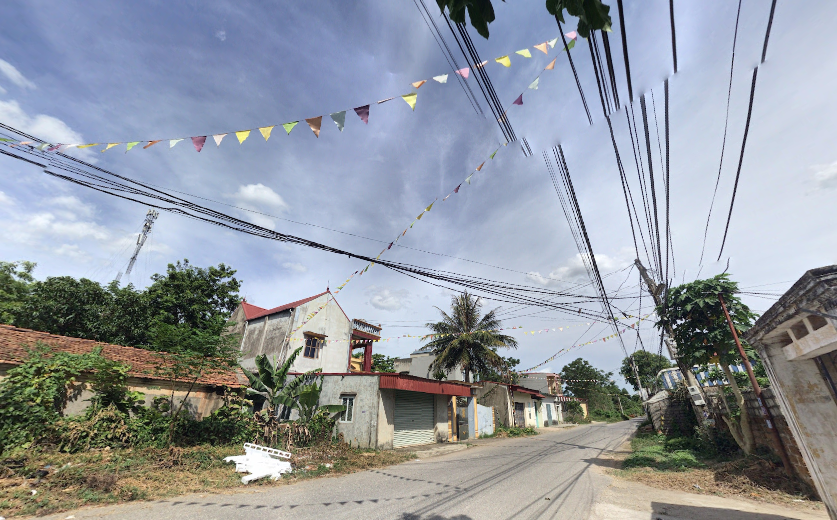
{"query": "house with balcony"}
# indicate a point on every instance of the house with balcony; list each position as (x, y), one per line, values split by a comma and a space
(317, 324)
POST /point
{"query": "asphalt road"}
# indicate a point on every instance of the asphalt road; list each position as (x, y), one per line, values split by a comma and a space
(546, 476)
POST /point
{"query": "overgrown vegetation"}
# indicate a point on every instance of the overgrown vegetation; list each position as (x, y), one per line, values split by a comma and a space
(712, 465)
(605, 400)
(511, 431)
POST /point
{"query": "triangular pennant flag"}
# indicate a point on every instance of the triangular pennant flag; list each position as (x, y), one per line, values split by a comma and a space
(571, 35)
(390, 245)
(265, 130)
(457, 188)
(441, 79)
(419, 217)
(410, 99)
(493, 154)
(551, 65)
(417, 85)
(446, 198)
(552, 42)
(339, 119)
(464, 72)
(542, 47)
(242, 135)
(519, 100)
(290, 126)
(109, 146)
(131, 145)
(504, 61)
(468, 180)
(151, 143)
(315, 123)
(86, 145)
(534, 85)
(480, 166)
(570, 45)
(385, 100)
(44, 146)
(483, 64)
(218, 138)
(198, 142)
(363, 113)
(430, 206)
(524, 52)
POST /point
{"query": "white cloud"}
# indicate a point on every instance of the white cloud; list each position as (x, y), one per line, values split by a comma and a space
(387, 299)
(73, 206)
(72, 251)
(574, 270)
(6, 200)
(14, 75)
(221, 35)
(825, 175)
(258, 197)
(299, 268)
(48, 128)
(2, 90)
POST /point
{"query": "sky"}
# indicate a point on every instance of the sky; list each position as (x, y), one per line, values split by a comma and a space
(84, 72)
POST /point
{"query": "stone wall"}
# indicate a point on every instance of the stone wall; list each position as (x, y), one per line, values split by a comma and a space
(670, 417)
(764, 438)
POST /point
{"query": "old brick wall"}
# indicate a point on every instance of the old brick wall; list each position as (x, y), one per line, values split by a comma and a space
(764, 438)
(670, 416)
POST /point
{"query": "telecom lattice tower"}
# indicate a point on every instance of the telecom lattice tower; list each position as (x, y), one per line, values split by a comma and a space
(150, 217)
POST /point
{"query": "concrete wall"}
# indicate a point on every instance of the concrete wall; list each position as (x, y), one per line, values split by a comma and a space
(362, 431)
(386, 419)
(264, 335)
(202, 400)
(497, 397)
(440, 407)
(811, 415)
(420, 366)
(529, 408)
(764, 437)
(485, 420)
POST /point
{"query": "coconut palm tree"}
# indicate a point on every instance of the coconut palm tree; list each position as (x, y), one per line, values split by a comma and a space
(464, 339)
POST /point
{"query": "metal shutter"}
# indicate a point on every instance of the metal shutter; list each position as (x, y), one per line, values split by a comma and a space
(413, 419)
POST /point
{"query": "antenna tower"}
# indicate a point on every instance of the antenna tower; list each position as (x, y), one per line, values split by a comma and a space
(150, 217)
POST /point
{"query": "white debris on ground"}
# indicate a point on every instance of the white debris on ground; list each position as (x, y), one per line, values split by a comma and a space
(260, 462)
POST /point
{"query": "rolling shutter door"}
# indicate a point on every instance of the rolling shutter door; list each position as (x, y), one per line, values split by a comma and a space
(413, 419)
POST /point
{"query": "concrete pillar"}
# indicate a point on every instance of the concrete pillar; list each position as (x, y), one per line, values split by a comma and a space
(367, 357)
(472, 418)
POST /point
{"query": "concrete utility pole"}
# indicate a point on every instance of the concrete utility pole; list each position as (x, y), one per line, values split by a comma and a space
(655, 291)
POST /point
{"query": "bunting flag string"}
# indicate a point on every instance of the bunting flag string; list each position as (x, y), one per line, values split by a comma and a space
(315, 123)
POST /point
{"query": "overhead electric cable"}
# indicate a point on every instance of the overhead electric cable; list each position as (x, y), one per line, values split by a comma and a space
(724, 139)
(673, 37)
(625, 51)
(575, 74)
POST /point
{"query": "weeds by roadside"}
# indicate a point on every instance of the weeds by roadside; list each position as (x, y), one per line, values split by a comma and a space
(688, 464)
(62, 481)
(512, 431)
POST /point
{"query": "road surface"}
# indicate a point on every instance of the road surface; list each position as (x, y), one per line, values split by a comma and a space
(540, 477)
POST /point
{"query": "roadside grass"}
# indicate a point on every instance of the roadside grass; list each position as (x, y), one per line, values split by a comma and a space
(682, 463)
(62, 481)
(501, 432)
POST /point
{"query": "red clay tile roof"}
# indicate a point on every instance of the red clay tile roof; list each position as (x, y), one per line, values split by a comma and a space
(15, 342)
(252, 312)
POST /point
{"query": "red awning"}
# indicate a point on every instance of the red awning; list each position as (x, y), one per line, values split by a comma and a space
(420, 384)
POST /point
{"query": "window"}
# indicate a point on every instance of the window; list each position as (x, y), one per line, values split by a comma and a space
(313, 345)
(349, 403)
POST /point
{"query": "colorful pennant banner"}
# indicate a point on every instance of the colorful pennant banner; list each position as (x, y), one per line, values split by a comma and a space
(315, 123)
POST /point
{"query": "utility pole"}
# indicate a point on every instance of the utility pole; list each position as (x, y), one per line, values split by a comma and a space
(655, 291)
(765, 412)
(150, 217)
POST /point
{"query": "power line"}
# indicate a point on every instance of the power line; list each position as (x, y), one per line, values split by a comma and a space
(575, 74)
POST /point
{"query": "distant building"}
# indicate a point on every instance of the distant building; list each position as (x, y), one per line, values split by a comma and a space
(672, 377)
(418, 364)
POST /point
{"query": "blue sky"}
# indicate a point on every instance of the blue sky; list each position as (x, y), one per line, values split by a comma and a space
(105, 72)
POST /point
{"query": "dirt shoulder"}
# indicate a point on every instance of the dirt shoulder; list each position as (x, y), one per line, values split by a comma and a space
(704, 493)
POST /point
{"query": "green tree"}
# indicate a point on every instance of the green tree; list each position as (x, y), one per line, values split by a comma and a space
(648, 364)
(200, 298)
(465, 339)
(592, 14)
(380, 362)
(583, 380)
(506, 373)
(703, 337)
(15, 284)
